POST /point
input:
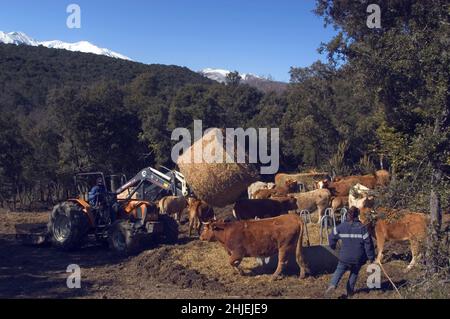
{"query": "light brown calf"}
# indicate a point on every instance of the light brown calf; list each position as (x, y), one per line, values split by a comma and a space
(199, 212)
(173, 205)
(408, 226)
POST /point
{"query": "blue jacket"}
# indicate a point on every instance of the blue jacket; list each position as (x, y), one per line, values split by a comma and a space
(357, 245)
(97, 194)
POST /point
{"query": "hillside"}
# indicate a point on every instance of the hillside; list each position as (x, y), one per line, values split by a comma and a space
(28, 73)
(263, 84)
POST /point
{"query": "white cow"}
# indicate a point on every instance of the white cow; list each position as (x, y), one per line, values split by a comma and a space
(360, 196)
(256, 186)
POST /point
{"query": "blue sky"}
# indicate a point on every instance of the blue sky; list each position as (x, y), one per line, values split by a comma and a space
(253, 36)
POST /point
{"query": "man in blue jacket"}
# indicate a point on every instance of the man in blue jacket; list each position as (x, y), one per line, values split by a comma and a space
(357, 248)
(97, 194)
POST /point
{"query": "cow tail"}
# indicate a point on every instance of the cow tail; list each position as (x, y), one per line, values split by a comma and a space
(234, 214)
(161, 205)
(299, 251)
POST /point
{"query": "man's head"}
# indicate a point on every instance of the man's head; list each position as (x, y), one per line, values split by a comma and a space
(99, 181)
(353, 213)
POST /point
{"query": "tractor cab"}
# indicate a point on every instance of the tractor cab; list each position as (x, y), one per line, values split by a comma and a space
(95, 192)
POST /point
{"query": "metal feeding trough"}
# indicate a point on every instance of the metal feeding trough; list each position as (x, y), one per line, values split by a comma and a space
(32, 234)
(320, 259)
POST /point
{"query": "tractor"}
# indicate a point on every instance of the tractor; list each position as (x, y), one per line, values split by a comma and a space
(126, 218)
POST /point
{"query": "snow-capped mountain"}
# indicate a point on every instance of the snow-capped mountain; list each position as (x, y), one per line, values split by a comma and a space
(18, 38)
(259, 82)
(220, 75)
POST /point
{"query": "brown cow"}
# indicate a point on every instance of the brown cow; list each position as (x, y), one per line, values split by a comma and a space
(290, 186)
(263, 208)
(404, 225)
(307, 179)
(199, 212)
(342, 186)
(260, 238)
(173, 205)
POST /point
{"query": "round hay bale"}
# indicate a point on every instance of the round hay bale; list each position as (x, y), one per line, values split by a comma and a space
(212, 170)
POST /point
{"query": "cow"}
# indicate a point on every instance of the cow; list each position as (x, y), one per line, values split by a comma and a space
(290, 186)
(245, 209)
(342, 186)
(173, 205)
(360, 196)
(199, 212)
(397, 225)
(260, 238)
(383, 178)
(339, 202)
(311, 201)
(305, 179)
(253, 188)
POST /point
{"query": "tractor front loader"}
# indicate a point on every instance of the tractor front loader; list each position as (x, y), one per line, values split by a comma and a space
(127, 218)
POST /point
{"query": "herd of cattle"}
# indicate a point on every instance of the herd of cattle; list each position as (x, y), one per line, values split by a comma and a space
(268, 222)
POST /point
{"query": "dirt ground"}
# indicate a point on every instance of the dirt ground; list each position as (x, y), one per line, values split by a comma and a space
(190, 269)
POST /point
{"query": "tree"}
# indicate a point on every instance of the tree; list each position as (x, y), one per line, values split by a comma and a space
(233, 78)
(98, 132)
(407, 63)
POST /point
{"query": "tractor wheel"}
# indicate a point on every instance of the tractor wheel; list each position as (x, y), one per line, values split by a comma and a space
(123, 238)
(68, 226)
(170, 232)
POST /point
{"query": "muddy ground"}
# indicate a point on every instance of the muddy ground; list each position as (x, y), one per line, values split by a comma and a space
(190, 269)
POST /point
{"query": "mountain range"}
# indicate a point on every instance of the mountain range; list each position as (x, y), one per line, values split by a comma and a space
(260, 82)
(219, 75)
(20, 38)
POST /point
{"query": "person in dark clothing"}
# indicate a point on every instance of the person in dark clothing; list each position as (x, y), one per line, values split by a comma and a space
(97, 194)
(357, 248)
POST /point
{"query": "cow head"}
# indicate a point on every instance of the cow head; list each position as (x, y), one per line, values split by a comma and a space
(210, 229)
(191, 200)
(323, 184)
(368, 201)
(291, 185)
(271, 185)
(291, 203)
(368, 217)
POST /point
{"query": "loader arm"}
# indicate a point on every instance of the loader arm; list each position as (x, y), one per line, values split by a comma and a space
(165, 181)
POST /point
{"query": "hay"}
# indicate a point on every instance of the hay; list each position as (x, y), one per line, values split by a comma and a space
(216, 182)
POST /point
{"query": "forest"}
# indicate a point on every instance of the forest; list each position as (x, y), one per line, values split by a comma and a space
(380, 99)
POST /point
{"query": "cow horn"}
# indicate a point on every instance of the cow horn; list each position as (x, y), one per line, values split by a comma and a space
(206, 223)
